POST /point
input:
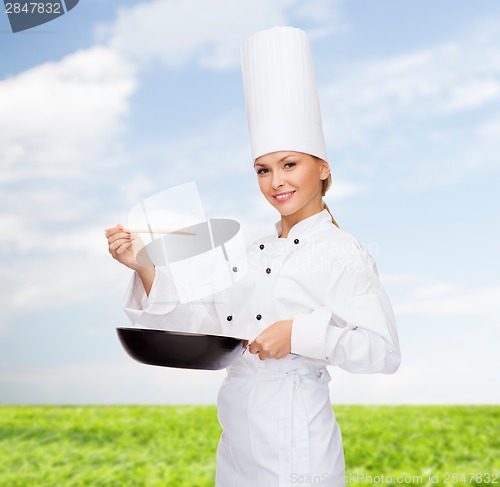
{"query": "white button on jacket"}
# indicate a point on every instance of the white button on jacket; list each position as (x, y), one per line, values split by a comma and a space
(278, 425)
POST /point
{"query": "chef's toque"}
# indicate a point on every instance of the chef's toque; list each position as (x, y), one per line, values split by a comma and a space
(280, 93)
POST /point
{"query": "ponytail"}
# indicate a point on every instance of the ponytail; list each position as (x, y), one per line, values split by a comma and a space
(326, 185)
(325, 206)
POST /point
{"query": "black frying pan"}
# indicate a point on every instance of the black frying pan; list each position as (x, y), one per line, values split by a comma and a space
(181, 350)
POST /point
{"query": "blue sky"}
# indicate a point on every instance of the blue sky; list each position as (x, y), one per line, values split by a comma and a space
(116, 101)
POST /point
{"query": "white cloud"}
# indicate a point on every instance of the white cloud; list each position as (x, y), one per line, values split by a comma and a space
(452, 77)
(412, 112)
(341, 190)
(111, 383)
(60, 118)
(177, 32)
(435, 289)
(47, 220)
(182, 31)
(446, 299)
(324, 15)
(426, 382)
(419, 295)
(402, 279)
(60, 126)
(61, 280)
(472, 94)
(490, 129)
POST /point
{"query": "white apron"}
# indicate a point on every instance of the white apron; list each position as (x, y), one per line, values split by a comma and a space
(279, 429)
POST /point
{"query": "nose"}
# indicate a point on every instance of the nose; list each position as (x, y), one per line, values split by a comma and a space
(277, 180)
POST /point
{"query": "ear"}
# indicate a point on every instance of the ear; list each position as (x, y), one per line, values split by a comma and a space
(325, 170)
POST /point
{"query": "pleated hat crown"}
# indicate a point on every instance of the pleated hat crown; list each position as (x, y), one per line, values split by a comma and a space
(280, 93)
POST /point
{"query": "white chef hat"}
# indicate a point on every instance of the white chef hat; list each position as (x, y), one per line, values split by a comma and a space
(280, 92)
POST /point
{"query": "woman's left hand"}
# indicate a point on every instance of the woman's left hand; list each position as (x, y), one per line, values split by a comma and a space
(274, 341)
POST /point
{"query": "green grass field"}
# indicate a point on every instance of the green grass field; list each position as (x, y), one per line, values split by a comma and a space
(154, 446)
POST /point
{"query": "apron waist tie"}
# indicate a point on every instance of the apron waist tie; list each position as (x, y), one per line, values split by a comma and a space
(294, 452)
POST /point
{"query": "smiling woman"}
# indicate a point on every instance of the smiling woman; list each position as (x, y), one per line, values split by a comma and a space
(311, 296)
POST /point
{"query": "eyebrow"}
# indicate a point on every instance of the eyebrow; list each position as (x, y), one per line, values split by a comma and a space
(281, 160)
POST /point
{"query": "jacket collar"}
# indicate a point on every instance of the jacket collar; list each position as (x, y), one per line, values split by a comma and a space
(309, 227)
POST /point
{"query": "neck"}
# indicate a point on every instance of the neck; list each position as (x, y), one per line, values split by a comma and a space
(288, 221)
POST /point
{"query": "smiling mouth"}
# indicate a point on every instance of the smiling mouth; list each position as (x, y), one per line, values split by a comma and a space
(283, 196)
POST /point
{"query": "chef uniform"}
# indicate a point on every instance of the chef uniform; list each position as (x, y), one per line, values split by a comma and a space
(278, 425)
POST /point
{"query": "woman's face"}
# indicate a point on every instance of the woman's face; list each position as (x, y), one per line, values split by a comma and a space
(292, 182)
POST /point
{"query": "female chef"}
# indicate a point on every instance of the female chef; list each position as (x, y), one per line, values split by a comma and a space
(311, 296)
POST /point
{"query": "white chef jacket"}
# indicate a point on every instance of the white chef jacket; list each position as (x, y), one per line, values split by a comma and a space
(278, 425)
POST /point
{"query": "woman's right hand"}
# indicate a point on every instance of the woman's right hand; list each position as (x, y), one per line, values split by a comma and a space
(124, 246)
(120, 246)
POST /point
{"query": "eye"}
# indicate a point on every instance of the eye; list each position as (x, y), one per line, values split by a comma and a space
(263, 170)
(290, 164)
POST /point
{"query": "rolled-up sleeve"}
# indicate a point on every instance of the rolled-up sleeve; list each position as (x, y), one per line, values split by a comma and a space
(309, 331)
(365, 339)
